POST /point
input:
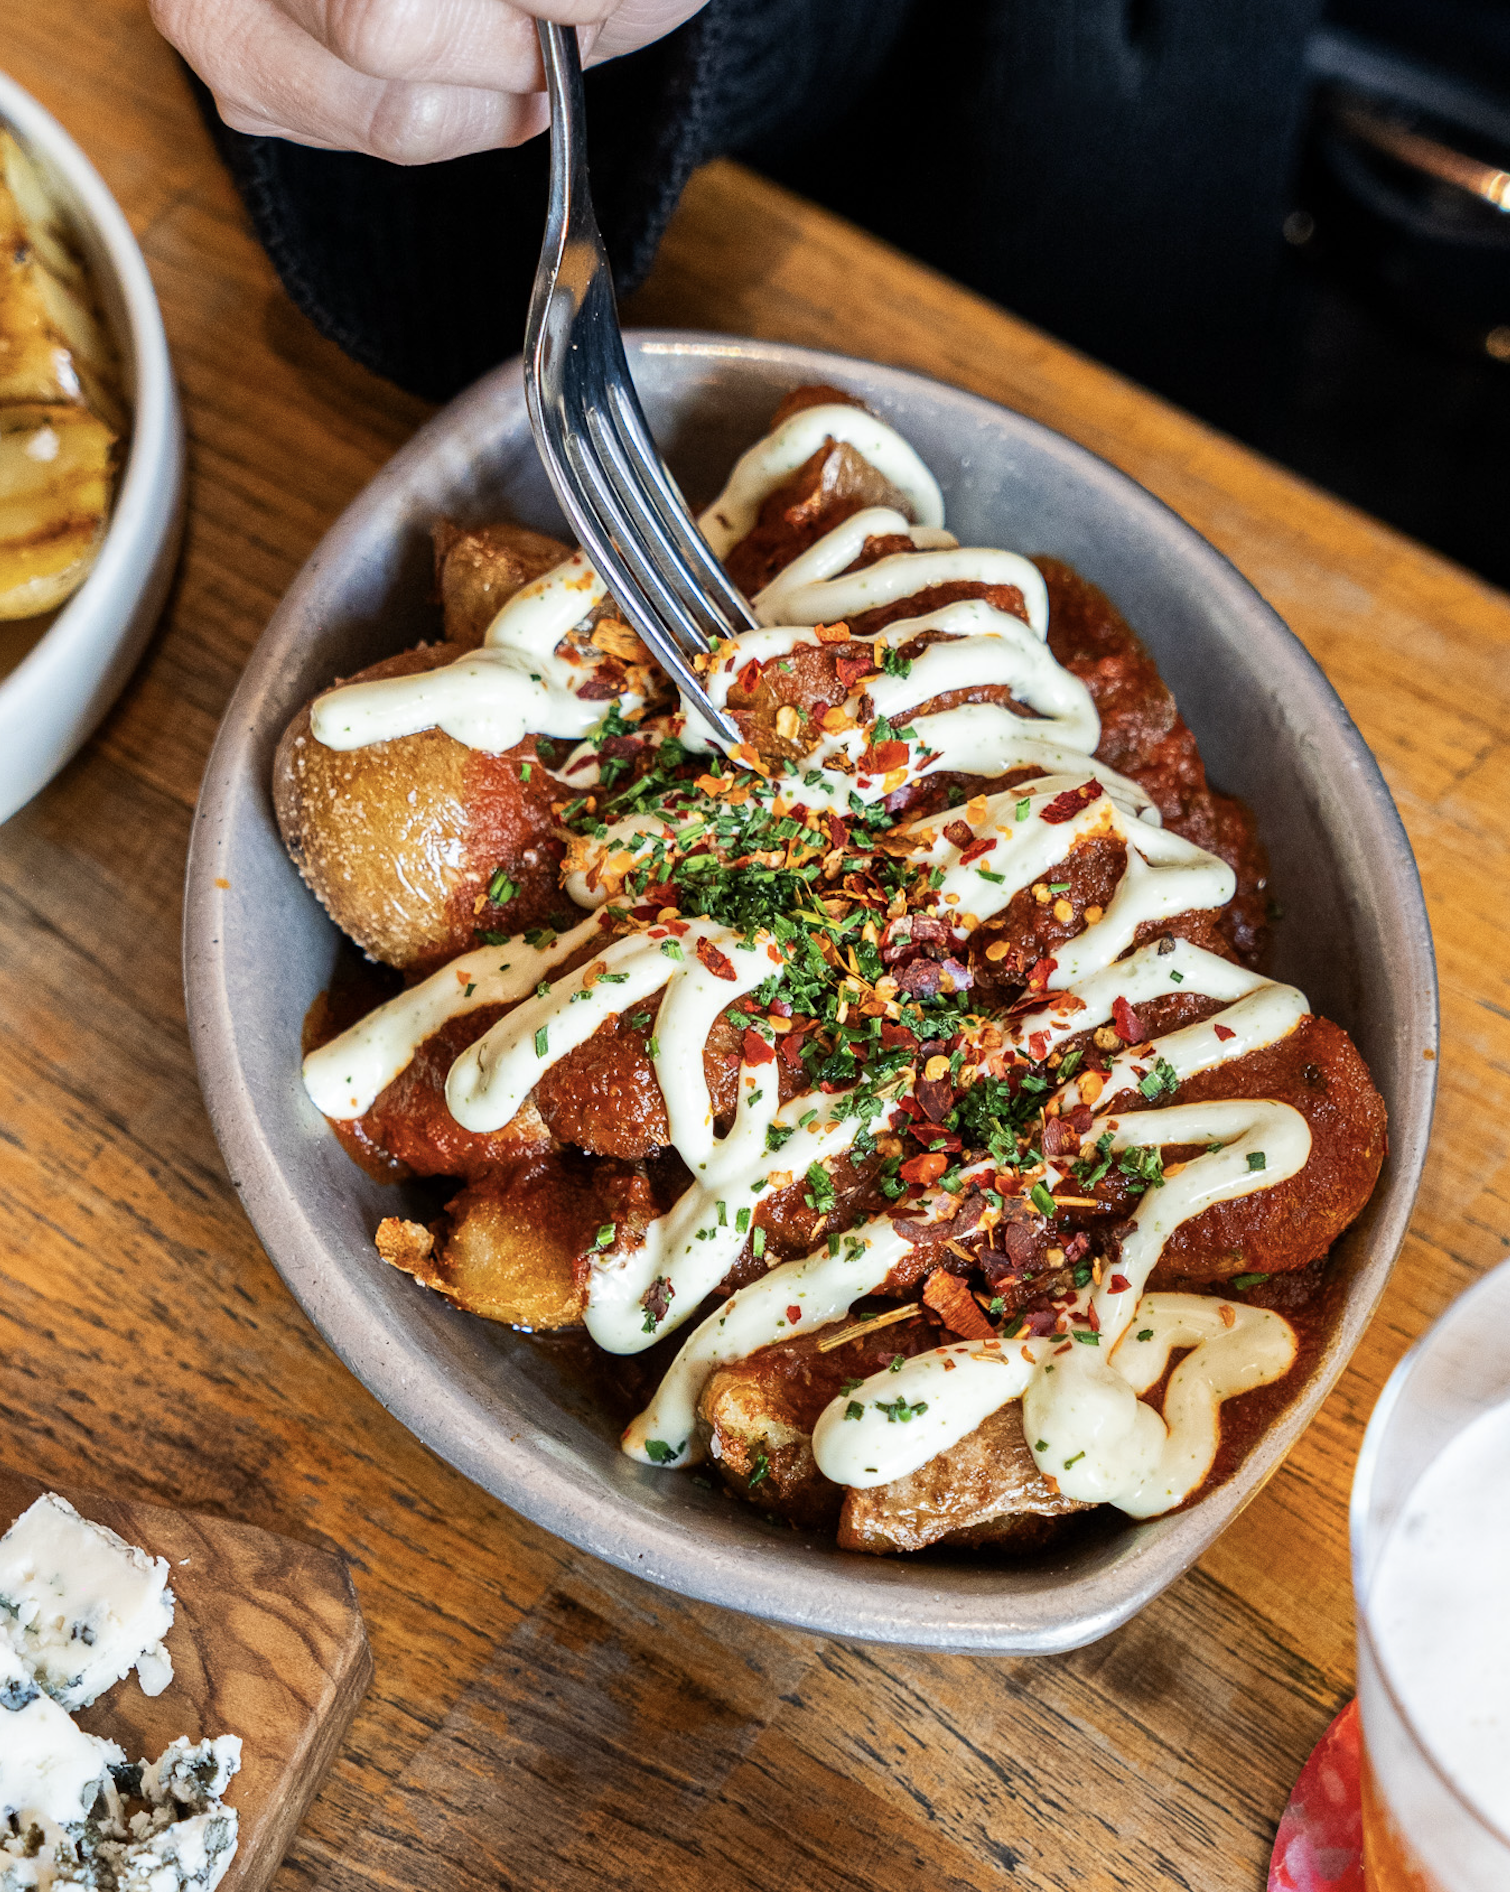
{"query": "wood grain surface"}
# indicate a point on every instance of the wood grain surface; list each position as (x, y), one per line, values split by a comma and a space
(538, 1721)
(267, 1642)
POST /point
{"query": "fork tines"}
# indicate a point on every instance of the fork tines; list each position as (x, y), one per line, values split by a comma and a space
(598, 452)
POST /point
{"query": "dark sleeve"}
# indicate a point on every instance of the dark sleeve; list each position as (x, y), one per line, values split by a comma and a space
(423, 272)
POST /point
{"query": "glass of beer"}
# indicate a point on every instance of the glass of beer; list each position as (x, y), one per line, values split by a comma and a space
(1431, 1580)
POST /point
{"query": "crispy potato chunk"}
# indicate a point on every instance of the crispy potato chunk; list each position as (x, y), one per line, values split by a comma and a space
(756, 1416)
(510, 1245)
(412, 1125)
(985, 1489)
(829, 487)
(400, 840)
(1317, 1070)
(479, 568)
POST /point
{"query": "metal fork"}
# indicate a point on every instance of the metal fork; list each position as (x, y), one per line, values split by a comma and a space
(592, 434)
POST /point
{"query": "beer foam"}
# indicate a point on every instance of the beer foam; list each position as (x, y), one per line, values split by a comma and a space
(1437, 1606)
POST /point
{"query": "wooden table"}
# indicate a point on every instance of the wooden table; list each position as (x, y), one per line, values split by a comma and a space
(538, 1720)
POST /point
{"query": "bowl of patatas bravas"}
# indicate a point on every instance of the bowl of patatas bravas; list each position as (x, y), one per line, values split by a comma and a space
(913, 1173)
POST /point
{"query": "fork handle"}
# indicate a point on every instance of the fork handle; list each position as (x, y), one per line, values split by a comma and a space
(571, 201)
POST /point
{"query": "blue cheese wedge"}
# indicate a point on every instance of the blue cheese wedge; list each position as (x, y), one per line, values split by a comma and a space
(82, 1606)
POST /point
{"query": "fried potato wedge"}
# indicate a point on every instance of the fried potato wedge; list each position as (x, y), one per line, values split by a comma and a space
(757, 1419)
(986, 1489)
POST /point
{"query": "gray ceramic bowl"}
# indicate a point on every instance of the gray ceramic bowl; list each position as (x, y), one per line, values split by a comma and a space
(259, 948)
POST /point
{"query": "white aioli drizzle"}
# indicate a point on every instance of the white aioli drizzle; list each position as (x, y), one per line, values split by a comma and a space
(1255, 1349)
(1100, 1442)
(819, 1289)
(492, 1078)
(839, 547)
(491, 698)
(1165, 874)
(345, 1077)
(759, 471)
(904, 574)
(693, 1246)
(985, 646)
(690, 1248)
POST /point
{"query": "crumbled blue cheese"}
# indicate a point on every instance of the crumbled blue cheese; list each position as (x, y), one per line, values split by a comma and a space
(182, 1838)
(79, 1609)
(52, 1774)
(84, 1606)
(193, 1775)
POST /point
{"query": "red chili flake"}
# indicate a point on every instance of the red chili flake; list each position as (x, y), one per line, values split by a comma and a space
(1224, 1032)
(959, 832)
(1042, 972)
(893, 1035)
(746, 1004)
(1119, 1284)
(791, 1050)
(749, 677)
(849, 670)
(1065, 807)
(679, 927)
(719, 964)
(1093, 1319)
(889, 756)
(956, 1306)
(976, 849)
(600, 689)
(644, 913)
(1038, 1046)
(757, 1051)
(832, 633)
(794, 1314)
(1059, 1137)
(924, 1169)
(1130, 1028)
(838, 831)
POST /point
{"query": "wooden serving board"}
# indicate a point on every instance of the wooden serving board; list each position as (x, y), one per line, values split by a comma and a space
(267, 1642)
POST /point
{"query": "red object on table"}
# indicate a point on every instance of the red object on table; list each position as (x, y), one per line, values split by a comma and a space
(1319, 1845)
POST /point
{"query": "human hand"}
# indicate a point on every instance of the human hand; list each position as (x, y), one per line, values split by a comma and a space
(412, 81)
